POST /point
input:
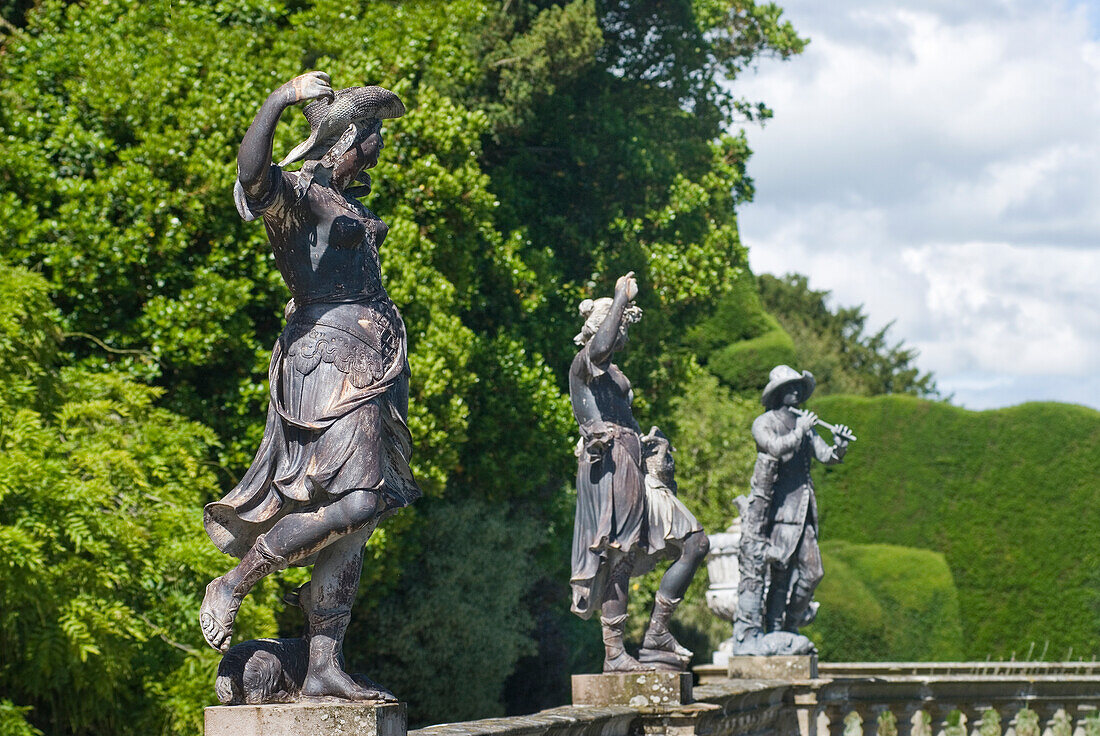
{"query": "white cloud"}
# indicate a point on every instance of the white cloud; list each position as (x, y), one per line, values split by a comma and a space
(939, 162)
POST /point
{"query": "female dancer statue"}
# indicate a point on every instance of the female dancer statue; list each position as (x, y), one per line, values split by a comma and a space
(628, 516)
(334, 459)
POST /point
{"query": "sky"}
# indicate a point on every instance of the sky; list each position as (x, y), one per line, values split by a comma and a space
(938, 161)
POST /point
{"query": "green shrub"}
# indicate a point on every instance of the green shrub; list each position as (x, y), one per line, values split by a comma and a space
(101, 497)
(881, 602)
(745, 365)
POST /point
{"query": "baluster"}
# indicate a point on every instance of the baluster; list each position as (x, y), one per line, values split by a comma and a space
(944, 719)
(854, 723)
(1026, 723)
(823, 721)
(921, 722)
(870, 715)
(1053, 719)
(886, 722)
(989, 724)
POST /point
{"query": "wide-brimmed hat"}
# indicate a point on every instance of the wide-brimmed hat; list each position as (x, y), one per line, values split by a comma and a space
(328, 120)
(782, 375)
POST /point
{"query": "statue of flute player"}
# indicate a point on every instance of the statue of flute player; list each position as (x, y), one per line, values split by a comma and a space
(779, 550)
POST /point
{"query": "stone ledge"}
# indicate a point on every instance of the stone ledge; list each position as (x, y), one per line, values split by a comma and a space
(306, 719)
(802, 667)
(643, 690)
(566, 720)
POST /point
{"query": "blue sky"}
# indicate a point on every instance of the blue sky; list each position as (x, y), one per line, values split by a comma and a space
(939, 162)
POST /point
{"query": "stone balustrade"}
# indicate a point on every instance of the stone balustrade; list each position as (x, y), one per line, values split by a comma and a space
(849, 699)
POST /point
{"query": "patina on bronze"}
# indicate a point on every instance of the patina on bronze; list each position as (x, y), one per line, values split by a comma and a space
(334, 459)
(779, 560)
(628, 516)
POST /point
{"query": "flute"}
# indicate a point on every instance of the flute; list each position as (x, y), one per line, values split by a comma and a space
(822, 423)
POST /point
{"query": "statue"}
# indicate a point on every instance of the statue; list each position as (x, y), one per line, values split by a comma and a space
(779, 561)
(628, 516)
(334, 460)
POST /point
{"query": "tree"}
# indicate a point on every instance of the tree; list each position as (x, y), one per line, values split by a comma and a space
(834, 345)
(100, 497)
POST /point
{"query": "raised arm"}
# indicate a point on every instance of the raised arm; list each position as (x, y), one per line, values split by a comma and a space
(832, 454)
(602, 344)
(254, 155)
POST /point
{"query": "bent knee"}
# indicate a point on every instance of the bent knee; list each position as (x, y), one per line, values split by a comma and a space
(355, 509)
(696, 546)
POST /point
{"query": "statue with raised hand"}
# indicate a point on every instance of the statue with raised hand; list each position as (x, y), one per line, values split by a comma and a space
(334, 459)
(628, 516)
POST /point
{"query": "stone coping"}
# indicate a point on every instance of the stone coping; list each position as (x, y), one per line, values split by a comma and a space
(714, 701)
(565, 720)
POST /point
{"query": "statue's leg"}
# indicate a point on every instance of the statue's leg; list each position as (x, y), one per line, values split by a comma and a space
(678, 577)
(293, 538)
(778, 590)
(332, 589)
(674, 583)
(224, 595)
(800, 610)
(613, 619)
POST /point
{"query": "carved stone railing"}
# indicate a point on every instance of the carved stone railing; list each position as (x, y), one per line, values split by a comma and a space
(1020, 699)
(850, 699)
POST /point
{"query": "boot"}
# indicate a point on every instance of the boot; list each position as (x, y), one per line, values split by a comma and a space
(659, 646)
(616, 658)
(326, 677)
(802, 608)
(224, 595)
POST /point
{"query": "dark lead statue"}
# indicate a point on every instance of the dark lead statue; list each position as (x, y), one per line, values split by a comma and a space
(628, 516)
(334, 459)
(780, 563)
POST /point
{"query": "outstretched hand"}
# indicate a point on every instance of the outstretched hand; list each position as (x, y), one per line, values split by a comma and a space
(842, 435)
(310, 86)
(627, 284)
(805, 422)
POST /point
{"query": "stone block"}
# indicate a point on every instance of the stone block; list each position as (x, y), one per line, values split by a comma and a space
(801, 667)
(335, 718)
(653, 689)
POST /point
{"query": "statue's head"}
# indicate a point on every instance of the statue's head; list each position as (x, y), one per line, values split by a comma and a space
(657, 457)
(346, 134)
(787, 387)
(595, 311)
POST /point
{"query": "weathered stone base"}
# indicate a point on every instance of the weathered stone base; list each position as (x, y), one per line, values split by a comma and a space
(654, 689)
(802, 667)
(307, 719)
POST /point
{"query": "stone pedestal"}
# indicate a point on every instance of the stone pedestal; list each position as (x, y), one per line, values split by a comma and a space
(653, 689)
(802, 667)
(336, 718)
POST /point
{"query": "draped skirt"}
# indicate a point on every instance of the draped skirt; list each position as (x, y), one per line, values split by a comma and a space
(336, 423)
(620, 512)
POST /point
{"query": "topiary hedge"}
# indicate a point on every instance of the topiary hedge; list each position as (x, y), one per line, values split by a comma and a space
(1007, 496)
(882, 602)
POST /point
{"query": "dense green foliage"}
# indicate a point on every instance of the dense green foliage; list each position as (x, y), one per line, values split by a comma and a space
(549, 147)
(100, 498)
(832, 343)
(881, 602)
(1005, 495)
